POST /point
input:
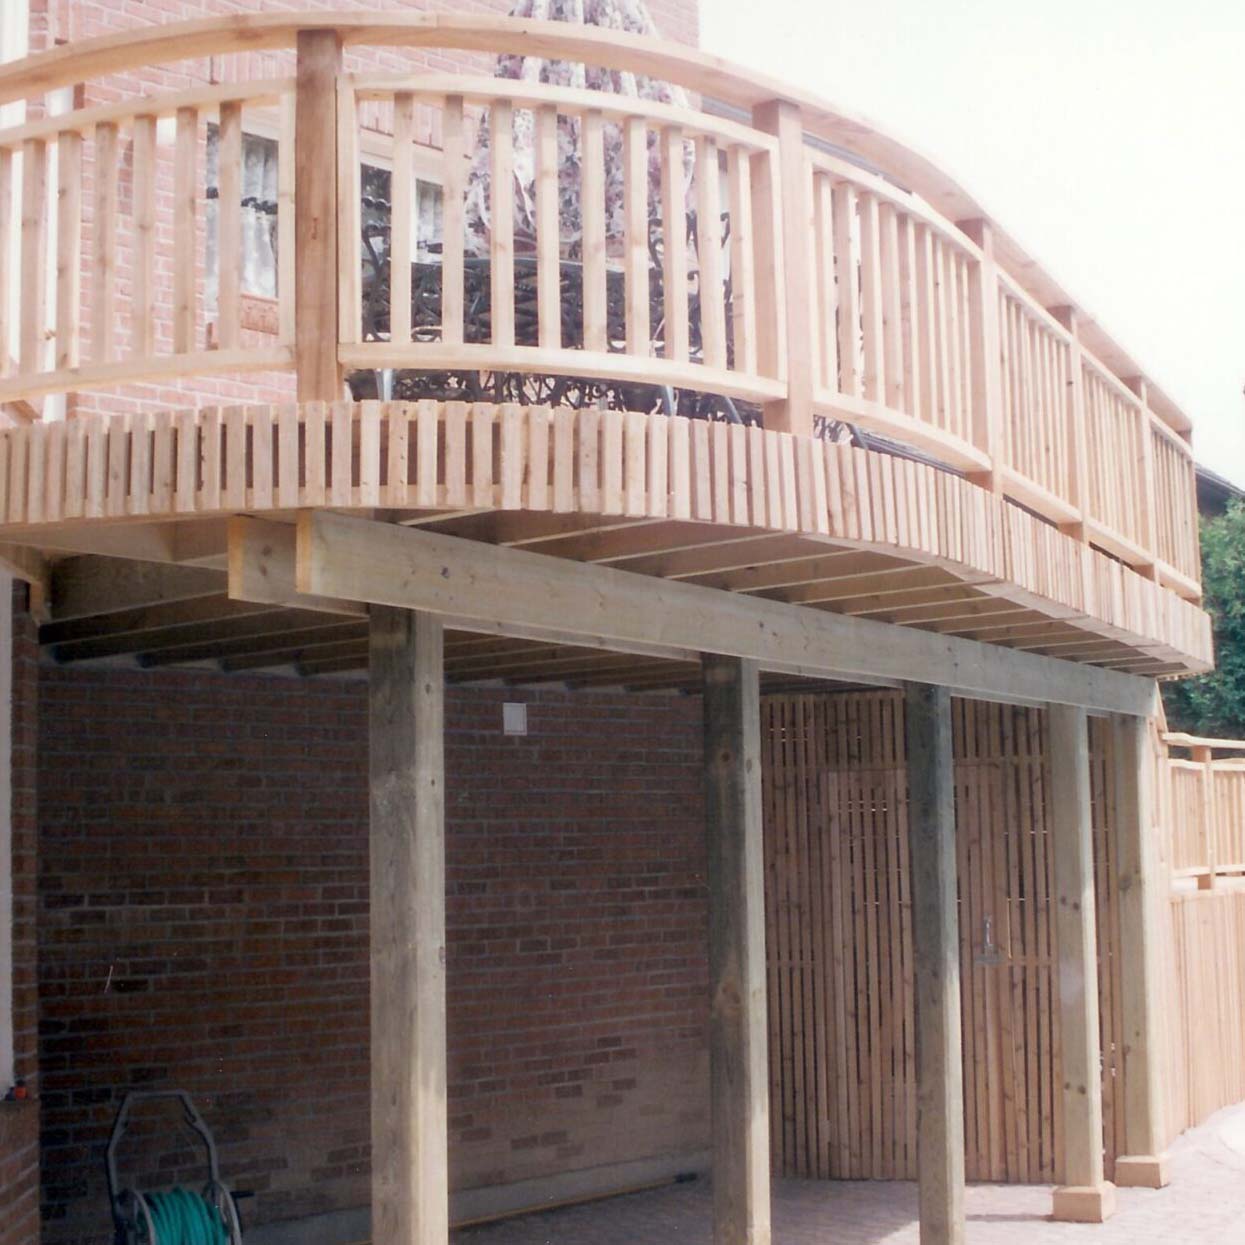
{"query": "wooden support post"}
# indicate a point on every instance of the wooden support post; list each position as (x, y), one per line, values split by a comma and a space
(1085, 1196)
(739, 1077)
(410, 1187)
(936, 940)
(1203, 756)
(1143, 1163)
(1079, 486)
(782, 118)
(315, 217)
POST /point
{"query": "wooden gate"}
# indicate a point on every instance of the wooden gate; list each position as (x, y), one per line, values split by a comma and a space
(842, 1042)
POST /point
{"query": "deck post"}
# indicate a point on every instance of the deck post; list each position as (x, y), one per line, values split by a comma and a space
(1143, 1163)
(410, 1188)
(739, 1071)
(795, 282)
(315, 216)
(936, 940)
(1085, 1196)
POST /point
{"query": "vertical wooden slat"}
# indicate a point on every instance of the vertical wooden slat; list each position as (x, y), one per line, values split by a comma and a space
(548, 232)
(674, 244)
(229, 227)
(454, 155)
(8, 313)
(743, 272)
(592, 202)
(287, 233)
(143, 191)
(709, 254)
(68, 249)
(185, 230)
(34, 240)
(349, 209)
(635, 267)
(401, 248)
(847, 266)
(501, 222)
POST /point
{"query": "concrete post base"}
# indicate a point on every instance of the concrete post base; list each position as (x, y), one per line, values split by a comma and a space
(1142, 1171)
(1084, 1203)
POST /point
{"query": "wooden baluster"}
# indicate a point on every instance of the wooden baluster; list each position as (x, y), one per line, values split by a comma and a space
(827, 289)
(941, 318)
(287, 257)
(143, 295)
(454, 154)
(401, 229)
(892, 324)
(229, 227)
(6, 246)
(674, 244)
(1203, 756)
(743, 263)
(501, 223)
(912, 348)
(349, 222)
(709, 254)
(1078, 479)
(782, 119)
(548, 230)
(1145, 501)
(34, 240)
(873, 382)
(592, 206)
(315, 217)
(635, 174)
(185, 240)
(927, 319)
(68, 248)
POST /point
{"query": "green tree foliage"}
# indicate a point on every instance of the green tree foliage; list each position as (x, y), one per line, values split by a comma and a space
(1214, 703)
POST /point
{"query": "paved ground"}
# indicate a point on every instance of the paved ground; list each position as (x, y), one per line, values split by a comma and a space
(1204, 1205)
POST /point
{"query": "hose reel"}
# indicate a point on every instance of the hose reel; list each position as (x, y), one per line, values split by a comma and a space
(177, 1216)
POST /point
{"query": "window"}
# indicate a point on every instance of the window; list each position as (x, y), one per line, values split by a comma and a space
(259, 217)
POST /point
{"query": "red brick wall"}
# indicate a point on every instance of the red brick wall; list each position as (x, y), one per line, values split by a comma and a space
(19, 1168)
(203, 924)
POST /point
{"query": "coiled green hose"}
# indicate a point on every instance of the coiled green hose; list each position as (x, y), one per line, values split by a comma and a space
(182, 1217)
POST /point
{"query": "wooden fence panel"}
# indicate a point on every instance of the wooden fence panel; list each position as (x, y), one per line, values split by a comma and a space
(839, 939)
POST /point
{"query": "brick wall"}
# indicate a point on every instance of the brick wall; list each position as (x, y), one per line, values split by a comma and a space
(203, 923)
(19, 1167)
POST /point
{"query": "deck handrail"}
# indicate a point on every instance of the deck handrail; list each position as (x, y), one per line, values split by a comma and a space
(947, 336)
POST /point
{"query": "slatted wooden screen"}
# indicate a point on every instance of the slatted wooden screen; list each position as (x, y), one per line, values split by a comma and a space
(839, 940)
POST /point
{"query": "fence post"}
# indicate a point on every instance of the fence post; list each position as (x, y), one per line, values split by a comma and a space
(1202, 755)
(987, 365)
(797, 295)
(315, 216)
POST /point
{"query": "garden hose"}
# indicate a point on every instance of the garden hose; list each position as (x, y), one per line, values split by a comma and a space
(182, 1217)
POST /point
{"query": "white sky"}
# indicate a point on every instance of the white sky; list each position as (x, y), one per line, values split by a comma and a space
(1107, 136)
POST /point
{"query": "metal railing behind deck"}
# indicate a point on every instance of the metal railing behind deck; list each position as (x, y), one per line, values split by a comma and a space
(836, 296)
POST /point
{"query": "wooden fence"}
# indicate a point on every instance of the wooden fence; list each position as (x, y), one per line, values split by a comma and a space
(840, 955)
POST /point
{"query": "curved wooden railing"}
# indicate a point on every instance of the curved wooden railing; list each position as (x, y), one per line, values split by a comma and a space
(858, 284)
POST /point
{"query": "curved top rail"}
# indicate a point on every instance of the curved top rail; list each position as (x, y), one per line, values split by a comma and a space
(688, 67)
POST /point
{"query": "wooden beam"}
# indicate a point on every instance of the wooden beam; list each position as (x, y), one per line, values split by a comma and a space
(936, 941)
(739, 1069)
(1085, 1196)
(514, 592)
(406, 706)
(89, 584)
(1143, 1163)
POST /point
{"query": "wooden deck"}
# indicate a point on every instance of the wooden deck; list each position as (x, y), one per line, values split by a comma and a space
(850, 281)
